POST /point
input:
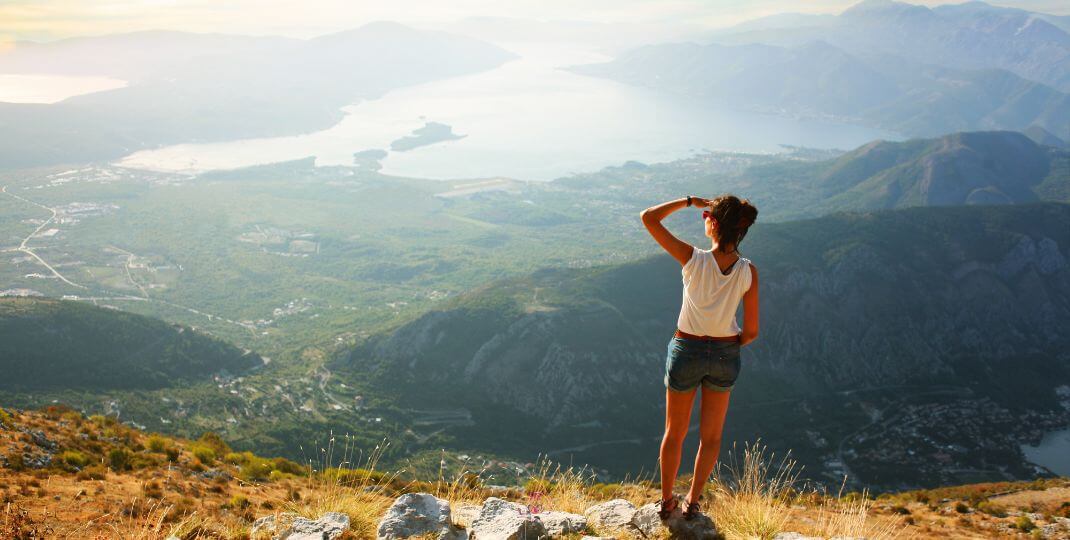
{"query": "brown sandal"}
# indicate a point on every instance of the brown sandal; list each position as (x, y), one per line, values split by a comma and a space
(666, 507)
(693, 510)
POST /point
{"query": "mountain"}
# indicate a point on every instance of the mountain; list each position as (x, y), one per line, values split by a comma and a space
(51, 345)
(869, 320)
(219, 87)
(824, 79)
(970, 35)
(999, 167)
(964, 168)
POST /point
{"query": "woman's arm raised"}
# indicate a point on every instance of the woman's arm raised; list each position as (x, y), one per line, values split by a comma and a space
(680, 250)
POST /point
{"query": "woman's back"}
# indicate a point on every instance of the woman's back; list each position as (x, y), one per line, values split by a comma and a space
(711, 297)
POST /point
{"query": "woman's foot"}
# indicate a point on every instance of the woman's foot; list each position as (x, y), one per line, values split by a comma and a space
(693, 510)
(666, 508)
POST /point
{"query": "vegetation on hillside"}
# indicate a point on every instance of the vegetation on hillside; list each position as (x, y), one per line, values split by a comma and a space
(62, 345)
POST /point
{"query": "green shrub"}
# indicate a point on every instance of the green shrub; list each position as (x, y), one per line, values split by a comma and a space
(92, 472)
(5, 417)
(157, 444)
(172, 453)
(144, 461)
(238, 502)
(215, 442)
(15, 461)
(119, 459)
(992, 509)
(287, 466)
(1024, 524)
(73, 459)
(961, 507)
(254, 468)
(204, 454)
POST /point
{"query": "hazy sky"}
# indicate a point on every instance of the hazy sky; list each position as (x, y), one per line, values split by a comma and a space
(52, 19)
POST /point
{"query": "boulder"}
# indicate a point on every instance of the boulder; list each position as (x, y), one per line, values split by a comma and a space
(503, 520)
(614, 514)
(273, 523)
(290, 526)
(647, 521)
(559, 523)
(464, 514)
(418, 514)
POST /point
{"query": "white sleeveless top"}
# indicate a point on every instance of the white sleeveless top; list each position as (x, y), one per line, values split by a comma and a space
(711, 298)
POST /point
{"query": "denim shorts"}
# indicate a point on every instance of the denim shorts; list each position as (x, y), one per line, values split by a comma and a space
(690, 362)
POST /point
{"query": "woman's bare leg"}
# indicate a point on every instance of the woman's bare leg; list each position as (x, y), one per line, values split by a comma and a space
(713, 409)
(677, 417)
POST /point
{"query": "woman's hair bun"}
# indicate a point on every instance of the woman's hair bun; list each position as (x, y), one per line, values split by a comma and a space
(735, 216)
(748, 214)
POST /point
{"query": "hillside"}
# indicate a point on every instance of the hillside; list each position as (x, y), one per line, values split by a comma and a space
(54, 345)
(997, 167)
(866, 318)
(65, 475)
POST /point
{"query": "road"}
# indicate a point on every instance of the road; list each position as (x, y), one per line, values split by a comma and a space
(22, 246)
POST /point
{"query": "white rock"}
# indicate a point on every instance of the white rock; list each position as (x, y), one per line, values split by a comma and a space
(465, 514)
(614, 514)
(328, 527)
(271, 524)
(417, 514)
(558, 523)
(503, 520)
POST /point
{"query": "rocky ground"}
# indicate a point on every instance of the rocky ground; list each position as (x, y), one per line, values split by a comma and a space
(67, 476)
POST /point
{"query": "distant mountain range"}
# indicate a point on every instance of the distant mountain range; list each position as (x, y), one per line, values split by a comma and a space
(188, 87)
(970, 35)
(54, 345)
(963, 168)
(902, 67)
(972, 300)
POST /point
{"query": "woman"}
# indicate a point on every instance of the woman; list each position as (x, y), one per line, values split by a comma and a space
(705, 349)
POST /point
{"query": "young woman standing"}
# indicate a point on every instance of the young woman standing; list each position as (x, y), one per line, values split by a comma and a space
(705, 348)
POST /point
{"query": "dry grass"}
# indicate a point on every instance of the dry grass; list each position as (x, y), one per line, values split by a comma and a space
(753, 499)
(337, 484)
(851, 517)
(751, 496)
(553, 487)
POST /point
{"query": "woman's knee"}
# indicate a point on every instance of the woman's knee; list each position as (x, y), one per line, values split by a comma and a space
(711, 440)
(675, 436)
